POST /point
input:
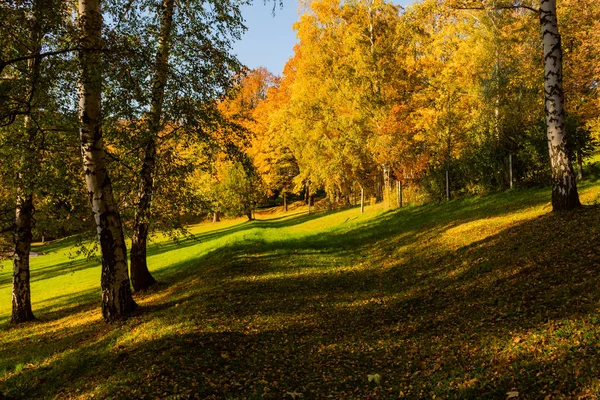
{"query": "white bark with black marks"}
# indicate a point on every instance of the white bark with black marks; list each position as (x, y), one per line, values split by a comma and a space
(564, 188)
(117, 300)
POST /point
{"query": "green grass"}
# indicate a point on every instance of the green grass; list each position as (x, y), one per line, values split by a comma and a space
(472, 298)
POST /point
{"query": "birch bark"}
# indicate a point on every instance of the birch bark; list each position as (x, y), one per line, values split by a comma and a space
(564, 188)
(117, 300)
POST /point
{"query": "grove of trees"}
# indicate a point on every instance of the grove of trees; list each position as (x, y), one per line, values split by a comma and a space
(447, 97)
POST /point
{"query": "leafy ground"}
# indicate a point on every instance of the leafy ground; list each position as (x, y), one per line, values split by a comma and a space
(488, 297)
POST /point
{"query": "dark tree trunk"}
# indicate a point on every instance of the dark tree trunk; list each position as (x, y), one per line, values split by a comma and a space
(141, 279)
(21, 290)
(579, 164)
(140, 275)
(400, 199)
(21, 294)
(216, 217)
(117, 301)
(564, 188)
(24, 210)
(249, 215)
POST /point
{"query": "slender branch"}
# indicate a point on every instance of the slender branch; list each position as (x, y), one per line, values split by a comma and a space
(7, 229)
(506, 7)
(4, 64)
(117, 159)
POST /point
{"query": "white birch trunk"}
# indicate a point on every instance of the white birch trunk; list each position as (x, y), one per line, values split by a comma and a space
(564, 188)
(117, 301)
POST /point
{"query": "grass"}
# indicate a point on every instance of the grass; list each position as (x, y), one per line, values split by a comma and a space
(472, 298)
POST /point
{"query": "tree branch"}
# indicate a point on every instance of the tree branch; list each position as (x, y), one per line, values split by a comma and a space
(4, 64)
(498, 7)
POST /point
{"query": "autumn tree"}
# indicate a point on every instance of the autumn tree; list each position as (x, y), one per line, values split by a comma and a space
(564, 188)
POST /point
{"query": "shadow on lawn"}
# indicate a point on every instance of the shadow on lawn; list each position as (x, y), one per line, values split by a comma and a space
(517, 311)
(273, 223)
(52, 271)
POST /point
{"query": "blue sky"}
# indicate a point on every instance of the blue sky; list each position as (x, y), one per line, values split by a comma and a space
(270, 40)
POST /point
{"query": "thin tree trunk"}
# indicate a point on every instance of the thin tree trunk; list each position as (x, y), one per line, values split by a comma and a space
(308, 196)
(564, 188)
(400, 200)
(387, 185)
(362, 200)
(285, 205)
(510, 171)
(216, 217)
(579, 165)
(24, 210)
(117, 301)
(140, 275)
(447, 185)
(21, 292)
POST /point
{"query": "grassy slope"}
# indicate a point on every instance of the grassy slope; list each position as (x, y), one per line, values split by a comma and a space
(472, 298)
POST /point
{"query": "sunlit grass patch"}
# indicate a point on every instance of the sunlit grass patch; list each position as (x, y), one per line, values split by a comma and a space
(471, 298)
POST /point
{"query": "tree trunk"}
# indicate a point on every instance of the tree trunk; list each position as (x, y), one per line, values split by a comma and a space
(387, 185)
(564, 188)
(510, 171)
(21, 292)
(362, 200)
(24, 210)
(140, 275)
(308, 196)
(447, 185)
(285, 205)
(117, 301)
(249, 214)
(216, 217)
(579, 164)
(400, 199)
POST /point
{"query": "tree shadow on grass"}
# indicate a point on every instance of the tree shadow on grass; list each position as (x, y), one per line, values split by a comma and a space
(496, 315)
(273, 223)
(259, 319)
(40, 273)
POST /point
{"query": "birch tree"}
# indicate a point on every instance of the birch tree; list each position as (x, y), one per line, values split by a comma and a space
(140, 275)
(117, 300)
(564, 187)
(188, 63)
(27, 168)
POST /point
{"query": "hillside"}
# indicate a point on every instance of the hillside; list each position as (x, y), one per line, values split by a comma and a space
(476, 298)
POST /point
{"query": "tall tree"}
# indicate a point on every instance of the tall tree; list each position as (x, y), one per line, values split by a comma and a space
(140, 275)
(564, 187)
(188, 63)
(117, 300)
(27, 169)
